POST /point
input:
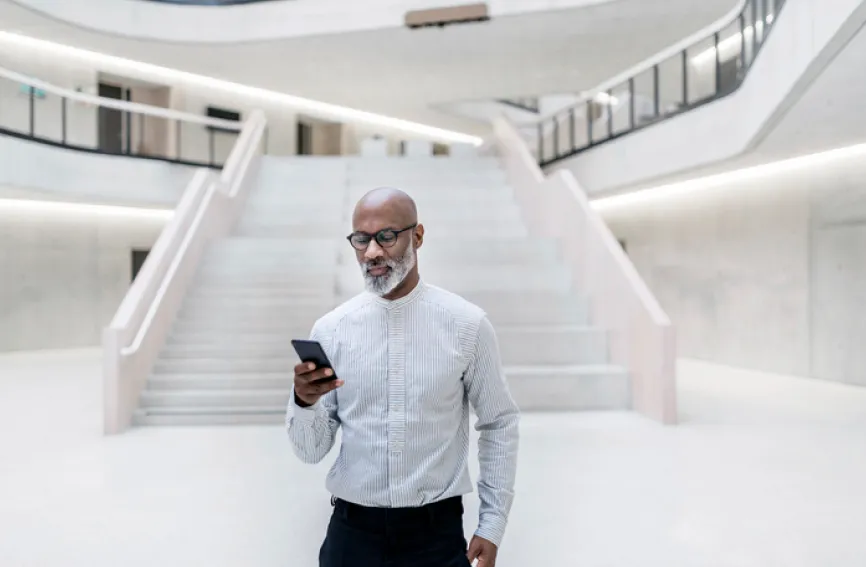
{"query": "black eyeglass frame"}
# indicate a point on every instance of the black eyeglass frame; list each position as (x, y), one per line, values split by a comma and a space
(379, 237)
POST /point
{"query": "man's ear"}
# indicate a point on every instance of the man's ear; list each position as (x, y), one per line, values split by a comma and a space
(419, 235)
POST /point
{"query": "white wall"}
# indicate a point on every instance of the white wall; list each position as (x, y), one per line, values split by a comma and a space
(64, 275)
(258, 22)
(83, 176)
(806, 36)
(768, 275)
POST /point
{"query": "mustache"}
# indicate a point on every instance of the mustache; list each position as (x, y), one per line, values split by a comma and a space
(379, 264)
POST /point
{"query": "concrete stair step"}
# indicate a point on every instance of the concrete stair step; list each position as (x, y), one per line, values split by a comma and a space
(279, 326)
(233, 337)
(221, 363)
(218, 289)
(267, 287)
(445, 194)
(225, 382)
(209, 416)
(534, 388)
(217, 398)
(551, 345)
(549, 278)
(253, 229)
(569, 388)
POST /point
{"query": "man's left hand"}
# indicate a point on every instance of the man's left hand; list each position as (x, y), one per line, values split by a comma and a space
(483, 550)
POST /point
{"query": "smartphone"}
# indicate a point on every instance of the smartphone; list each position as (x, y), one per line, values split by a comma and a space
(312, 351)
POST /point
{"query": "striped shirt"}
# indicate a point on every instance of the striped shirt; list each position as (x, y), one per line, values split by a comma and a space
(411, 368)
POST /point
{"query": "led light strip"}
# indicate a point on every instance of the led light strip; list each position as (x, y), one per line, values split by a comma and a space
(62, 207)
(166, 74)
(668, 191)
(729, 46)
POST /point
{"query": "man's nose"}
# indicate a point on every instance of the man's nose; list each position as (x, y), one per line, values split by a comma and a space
(374, 251)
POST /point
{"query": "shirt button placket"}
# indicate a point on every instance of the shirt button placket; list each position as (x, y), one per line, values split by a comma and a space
(396, 402)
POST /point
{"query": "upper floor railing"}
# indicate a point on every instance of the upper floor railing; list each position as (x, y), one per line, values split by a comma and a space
(698, 70)
(111, 123)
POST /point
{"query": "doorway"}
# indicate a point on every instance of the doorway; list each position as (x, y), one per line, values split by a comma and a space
(111, 127)
(319, 138)
(304, 142)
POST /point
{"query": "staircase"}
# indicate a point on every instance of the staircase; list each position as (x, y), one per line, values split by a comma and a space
(229, 360)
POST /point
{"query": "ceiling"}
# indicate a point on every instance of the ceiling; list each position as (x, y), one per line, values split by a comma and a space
(403, 73)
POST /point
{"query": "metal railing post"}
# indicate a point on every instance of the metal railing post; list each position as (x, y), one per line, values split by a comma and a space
(63, 103)
(32, 102)
(609, 113)
(656, 101)
(631, 103)
(718, 63)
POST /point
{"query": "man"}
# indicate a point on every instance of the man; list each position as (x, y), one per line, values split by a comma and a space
(409, 358)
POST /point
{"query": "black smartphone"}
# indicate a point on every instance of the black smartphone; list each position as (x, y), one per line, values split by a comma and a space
(312, 351)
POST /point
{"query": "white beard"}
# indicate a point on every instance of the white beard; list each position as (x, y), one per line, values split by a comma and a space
(385, 284)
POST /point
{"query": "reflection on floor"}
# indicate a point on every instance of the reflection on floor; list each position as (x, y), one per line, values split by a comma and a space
(763, 471)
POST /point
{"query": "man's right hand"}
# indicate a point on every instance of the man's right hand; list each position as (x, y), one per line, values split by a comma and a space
(307, 388)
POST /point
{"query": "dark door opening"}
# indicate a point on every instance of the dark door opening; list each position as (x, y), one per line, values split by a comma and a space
(305, 139)
(111, 130)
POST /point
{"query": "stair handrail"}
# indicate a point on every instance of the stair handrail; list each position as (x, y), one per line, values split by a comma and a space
(642, 67)
(641, 336)
(207, 209)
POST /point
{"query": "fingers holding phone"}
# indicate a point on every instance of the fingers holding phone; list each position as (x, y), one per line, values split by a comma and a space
(314, 376)
(312, 382)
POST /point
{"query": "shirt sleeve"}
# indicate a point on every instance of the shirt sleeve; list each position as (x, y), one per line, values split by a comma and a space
(312, 429)
(498, 422)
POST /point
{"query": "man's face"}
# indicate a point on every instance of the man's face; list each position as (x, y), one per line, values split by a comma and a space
(384, 264)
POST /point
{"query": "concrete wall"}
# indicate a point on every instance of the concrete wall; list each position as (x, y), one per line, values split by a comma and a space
(63, 274)
(82, 176)
(768, 274)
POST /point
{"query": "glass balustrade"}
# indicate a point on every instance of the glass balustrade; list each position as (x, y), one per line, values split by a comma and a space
(110, 125)
(700, 73)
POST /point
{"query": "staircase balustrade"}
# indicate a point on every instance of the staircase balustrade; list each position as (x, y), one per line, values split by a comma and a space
(640, 334)
(208, 209)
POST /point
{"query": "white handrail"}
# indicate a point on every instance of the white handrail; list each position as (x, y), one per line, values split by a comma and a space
(132, 107)
(194, 203)
(208, 209)
(646, 64)
(196, 206)
(131, 306)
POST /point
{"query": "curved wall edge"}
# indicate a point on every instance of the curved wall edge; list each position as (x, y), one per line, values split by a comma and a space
(266, 21)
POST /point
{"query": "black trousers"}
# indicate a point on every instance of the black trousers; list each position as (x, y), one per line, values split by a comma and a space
(429, 536)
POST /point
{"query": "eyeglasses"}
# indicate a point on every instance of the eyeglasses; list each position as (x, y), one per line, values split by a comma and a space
(386, 238)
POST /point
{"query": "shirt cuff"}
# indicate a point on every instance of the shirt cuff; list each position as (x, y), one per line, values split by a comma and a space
(304, 415)
(491, 528)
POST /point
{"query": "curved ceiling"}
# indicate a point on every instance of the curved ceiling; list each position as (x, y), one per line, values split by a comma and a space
(256, 20)
(404, 73)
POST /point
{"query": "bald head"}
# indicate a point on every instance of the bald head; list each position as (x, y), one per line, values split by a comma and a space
(386, 204)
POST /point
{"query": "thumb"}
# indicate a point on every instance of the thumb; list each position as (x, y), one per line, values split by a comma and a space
(474, 550)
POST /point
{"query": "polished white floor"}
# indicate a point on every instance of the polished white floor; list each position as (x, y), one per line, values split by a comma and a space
(764, 471)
